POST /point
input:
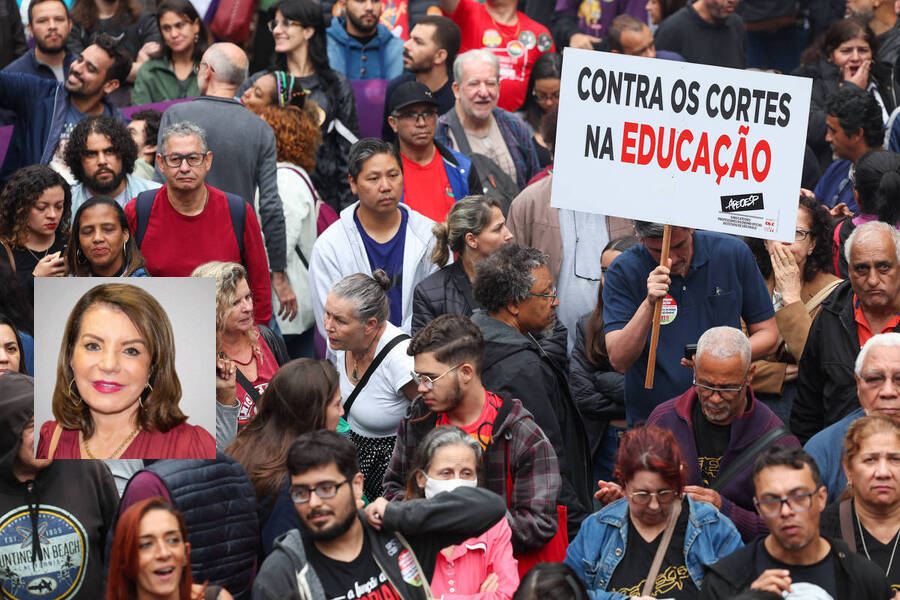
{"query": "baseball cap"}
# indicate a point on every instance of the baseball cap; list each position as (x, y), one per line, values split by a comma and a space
(411, 92)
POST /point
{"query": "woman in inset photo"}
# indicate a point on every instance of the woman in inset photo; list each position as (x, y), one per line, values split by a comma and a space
(117, 392)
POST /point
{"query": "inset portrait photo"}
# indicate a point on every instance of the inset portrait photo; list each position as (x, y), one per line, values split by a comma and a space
(125, 369)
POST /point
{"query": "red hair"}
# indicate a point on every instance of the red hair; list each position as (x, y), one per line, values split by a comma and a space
(650, 448)
(123, 560)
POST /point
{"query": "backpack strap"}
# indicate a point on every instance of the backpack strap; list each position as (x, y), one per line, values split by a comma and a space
(458, 133)
(846, 521)
(316, 204)
(748, 456)
(237, 207)
(143, 206)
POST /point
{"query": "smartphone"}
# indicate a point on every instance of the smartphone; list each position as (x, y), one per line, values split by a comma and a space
(689, 351)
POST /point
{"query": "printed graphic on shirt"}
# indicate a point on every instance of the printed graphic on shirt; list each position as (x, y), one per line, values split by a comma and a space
(374, 588)
(63, 543)
(589, 13)
(709, 468)
(491, 38)
(669, 580)
(669, 310)
(409, 570)
(248, 406)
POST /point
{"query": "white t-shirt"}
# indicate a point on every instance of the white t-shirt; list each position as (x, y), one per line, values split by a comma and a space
(380, 406)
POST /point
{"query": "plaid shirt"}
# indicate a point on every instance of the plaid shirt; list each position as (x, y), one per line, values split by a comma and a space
(535, 473)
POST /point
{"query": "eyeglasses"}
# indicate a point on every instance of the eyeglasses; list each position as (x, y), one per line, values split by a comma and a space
(542, 97)
(327, 489)
(662, 496)
(284, 23)
(195, 159)
(427, 381)
(474, 84)
(552, 295)
(801, 235)
(771, 507)
(415, 116)
(706, 391)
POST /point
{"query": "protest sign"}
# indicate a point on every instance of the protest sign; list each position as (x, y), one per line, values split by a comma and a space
(688, 145)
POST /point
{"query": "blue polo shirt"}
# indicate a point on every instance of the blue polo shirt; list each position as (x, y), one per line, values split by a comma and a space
(723, 285)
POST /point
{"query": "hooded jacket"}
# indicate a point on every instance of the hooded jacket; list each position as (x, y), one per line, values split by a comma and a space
(70, 504)
(826, 386)
(412, 534)
(380, 58)
(516, 440)
(515, 366)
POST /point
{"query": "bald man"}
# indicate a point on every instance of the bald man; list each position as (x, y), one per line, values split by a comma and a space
(244, 149)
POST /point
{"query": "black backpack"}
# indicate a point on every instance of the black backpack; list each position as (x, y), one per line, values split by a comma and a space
(495, 182)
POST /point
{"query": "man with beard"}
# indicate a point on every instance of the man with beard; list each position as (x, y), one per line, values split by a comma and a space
(101, 155)
(428, 57)
(448, 359)
(49, 26)
(716, 421)
(706, 32)
(47, 111)
(794, 557)
(359, 46)
(384, 551)
(516, 290)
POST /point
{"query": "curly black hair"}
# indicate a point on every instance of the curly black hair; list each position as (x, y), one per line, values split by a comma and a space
(822, 256)
(121, 58)
(122, 143)
(506, 276)
(21, 192)
(857, 109)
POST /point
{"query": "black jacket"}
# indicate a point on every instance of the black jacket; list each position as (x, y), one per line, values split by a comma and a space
(826, 387)
(855, 576)
(12, 34)
(516, 367)
(599, 393)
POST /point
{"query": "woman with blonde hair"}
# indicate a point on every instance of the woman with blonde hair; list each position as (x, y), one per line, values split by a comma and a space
(117, 392)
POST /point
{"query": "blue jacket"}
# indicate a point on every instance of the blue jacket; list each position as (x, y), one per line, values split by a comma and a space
(836, 185)
(27, 63)
(383, 54)
(40, 106)
(826, 448)
(600, 544)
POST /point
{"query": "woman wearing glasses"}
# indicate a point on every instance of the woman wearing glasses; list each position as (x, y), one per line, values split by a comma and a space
(799, 277)
(542, 98)
(869, 510)
(615, 547)
(374, 369)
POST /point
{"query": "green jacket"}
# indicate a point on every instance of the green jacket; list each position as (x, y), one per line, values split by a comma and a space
(156, 82)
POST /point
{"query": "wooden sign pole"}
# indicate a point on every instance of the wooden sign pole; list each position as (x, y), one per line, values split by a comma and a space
(657, 313)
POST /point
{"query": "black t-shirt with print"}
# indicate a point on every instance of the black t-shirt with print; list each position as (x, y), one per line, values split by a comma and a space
(673, 580)
(711, 441)
(355, 579)
(820, 574)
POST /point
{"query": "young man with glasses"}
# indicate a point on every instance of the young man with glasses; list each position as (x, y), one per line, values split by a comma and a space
(435, 177)
(448, 357)
(387, 550)
(794, 557)
(716, 420)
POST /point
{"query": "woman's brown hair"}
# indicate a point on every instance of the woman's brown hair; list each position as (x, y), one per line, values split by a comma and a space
(160, 410)
(858, 432)
(594, 339)
(85, 13)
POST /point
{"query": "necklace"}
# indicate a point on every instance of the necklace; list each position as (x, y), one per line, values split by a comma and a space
(887, 571)
(356, 361)
(36, 257)
(115, 453)
(244, 364)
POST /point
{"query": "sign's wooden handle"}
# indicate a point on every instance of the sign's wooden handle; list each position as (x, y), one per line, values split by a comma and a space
(657, 313)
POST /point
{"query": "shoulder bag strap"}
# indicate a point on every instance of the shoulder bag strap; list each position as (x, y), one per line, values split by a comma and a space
(9, 255)
(459, 133)
(54, 441)
(237, 208)
(821, 295)
(142, 207)
(846, 519)
(315, 196)
(650, 582)
(365, 378)
(748, 456)
(247, 385)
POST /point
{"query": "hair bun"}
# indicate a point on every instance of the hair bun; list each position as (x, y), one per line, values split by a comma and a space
(382, 279)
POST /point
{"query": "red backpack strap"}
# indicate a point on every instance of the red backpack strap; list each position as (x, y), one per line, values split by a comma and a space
(836, 241)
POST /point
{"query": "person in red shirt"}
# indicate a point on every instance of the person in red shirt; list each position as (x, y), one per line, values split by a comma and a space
(190, 221)
(516, 39)
(434, 176)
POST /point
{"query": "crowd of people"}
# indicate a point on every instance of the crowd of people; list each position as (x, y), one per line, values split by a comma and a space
(429, 382)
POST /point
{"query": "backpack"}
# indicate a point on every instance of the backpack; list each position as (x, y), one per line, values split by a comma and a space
(495, 182)
(237, 207)
(325, 215)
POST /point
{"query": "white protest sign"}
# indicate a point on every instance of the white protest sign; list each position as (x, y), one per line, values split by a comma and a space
(672, 142)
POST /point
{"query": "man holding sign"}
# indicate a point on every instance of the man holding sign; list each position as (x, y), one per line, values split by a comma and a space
(711, 280)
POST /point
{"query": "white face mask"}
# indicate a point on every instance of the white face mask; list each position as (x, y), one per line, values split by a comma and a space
(436, 486)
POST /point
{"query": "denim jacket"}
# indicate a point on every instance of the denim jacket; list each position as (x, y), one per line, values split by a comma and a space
(600, 544)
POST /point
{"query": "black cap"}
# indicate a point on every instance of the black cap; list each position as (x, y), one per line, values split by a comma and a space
(411, 92)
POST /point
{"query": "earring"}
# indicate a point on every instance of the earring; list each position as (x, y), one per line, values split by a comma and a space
(71, 395)
(196, 37)
(140, 400)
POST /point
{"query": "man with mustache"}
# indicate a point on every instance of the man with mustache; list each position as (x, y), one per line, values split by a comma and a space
(359, 46)
(865, 305)
(706, 32)
(49, 25)
(47, 111)
(101, 155)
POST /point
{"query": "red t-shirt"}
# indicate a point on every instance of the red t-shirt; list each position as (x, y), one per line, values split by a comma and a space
(517, 47)
(175, 244)
(483, 427)
(426, 189)
(265, 371)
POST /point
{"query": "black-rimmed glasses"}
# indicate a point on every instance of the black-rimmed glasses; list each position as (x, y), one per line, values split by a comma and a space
(327, 489)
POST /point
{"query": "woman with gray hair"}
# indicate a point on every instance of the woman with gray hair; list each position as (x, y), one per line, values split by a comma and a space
(373, 366)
